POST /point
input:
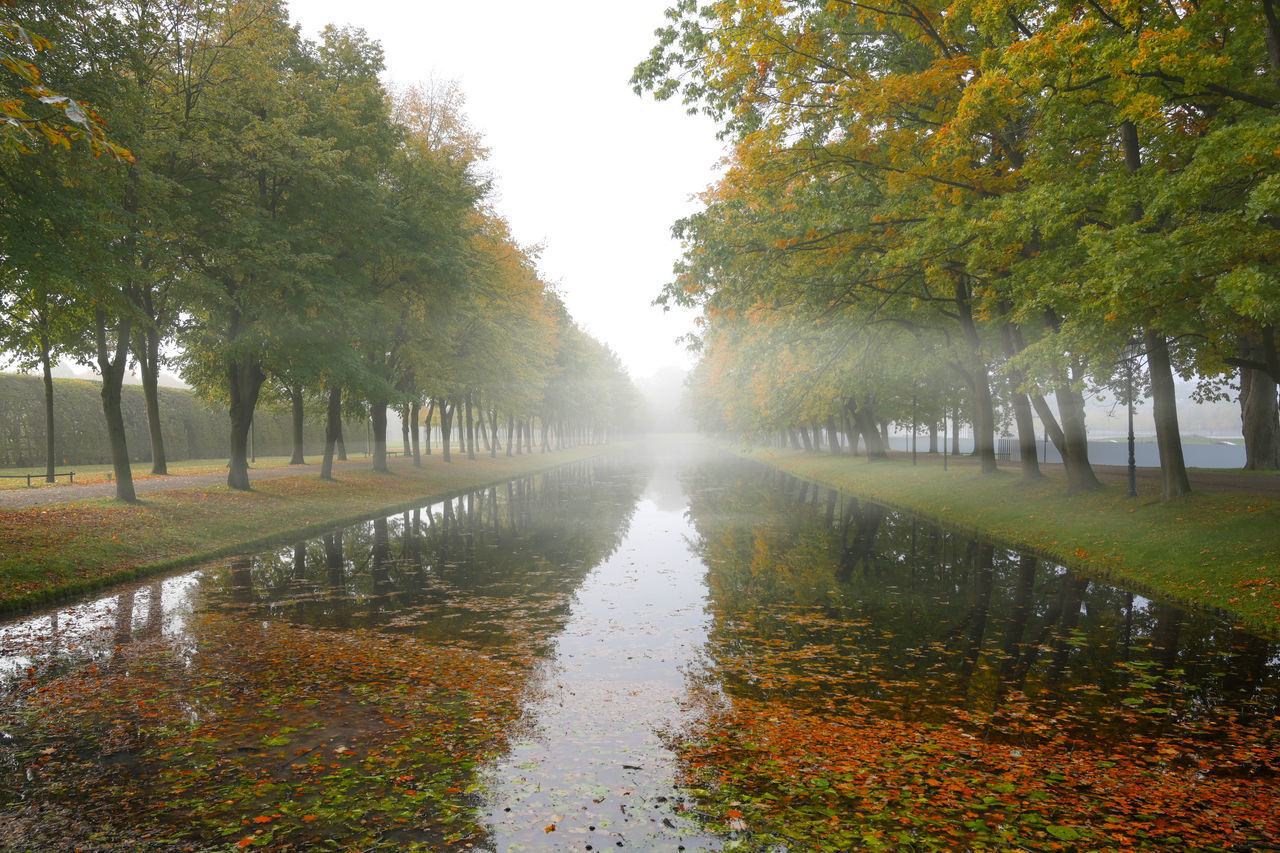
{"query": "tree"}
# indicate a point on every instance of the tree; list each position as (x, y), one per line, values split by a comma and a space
(76, 229)
(30, 111)
(1037, 182)
(421, 266)
(41, 325)
(268, 290)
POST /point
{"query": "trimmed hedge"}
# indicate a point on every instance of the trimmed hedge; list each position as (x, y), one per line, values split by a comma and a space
(192, 429)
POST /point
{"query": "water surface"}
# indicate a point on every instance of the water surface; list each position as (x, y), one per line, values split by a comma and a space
(537, 665)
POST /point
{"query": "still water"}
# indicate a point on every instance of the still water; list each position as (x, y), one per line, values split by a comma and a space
(524, 667)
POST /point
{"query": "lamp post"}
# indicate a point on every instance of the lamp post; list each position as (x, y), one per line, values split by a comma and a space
(1130, 353)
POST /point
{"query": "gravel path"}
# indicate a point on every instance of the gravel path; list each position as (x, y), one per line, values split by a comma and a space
(57, 494)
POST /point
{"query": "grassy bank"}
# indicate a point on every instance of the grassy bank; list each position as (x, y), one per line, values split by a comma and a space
(1215, 550)
(55, 551)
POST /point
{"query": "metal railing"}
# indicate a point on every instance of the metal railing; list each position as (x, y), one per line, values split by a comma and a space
(70, 475)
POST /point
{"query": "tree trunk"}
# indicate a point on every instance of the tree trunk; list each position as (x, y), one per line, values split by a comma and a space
(482, 427)
(493, 430)
(1050, 421)
(1272, 39)
(406, 445)
(50, 450)
(1071, 438)
(1164, 407)
(984, 420)
(979, 381)
(341, 442)
(332, 431)
(112, 371)
(415, 413)
(833, 436)
(850, 431)
(864, 423)
(1075, 437)
(148, 356)
(378, 424)
(1028, 462)
(446, 422)
(426, 436)
(1259, 413)
(244, 379)
(470, 434)
(511, 426)
(298, 418)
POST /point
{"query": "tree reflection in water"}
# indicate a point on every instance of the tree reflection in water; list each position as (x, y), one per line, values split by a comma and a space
(337, 693)
(941, 691)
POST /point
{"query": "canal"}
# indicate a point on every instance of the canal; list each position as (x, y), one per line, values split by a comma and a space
(672, 650)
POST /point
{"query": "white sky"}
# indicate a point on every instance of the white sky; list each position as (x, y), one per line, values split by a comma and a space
(582, 165)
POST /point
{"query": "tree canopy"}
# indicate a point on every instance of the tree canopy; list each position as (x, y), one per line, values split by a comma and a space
(1010, 192)
(271, 216)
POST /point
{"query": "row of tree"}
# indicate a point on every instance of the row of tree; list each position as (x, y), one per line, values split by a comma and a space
(942, 206)
(268, 210)
(192, 429)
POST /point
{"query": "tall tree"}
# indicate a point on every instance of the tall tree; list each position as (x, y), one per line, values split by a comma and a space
(271, 173)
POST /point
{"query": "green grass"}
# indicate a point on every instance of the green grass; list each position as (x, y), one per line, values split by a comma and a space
(59, 550)
(1214, 550)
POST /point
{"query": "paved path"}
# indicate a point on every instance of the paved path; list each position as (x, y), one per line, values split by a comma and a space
(56, 494)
